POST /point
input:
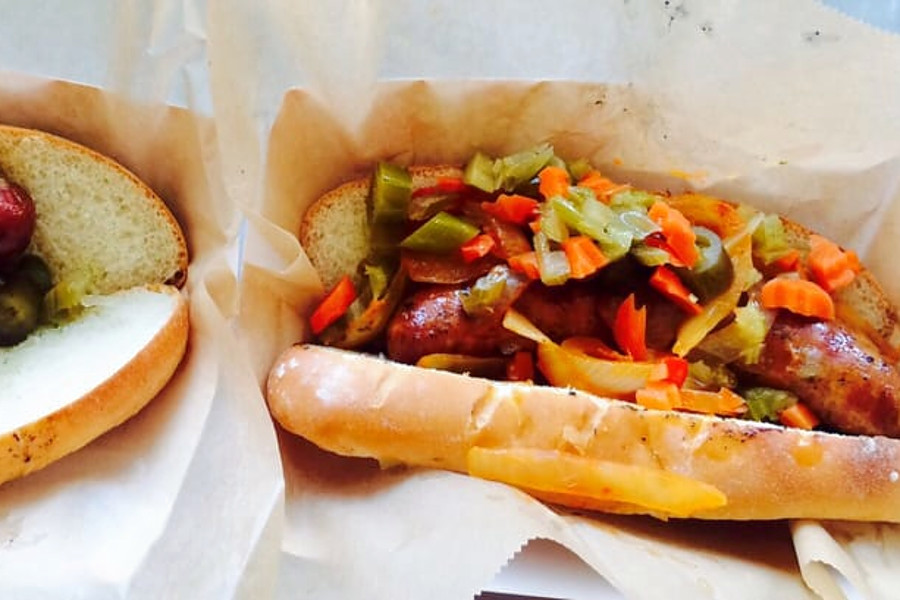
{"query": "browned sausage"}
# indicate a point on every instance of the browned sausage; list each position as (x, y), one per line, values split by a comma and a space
(433, 320)
(839, 374)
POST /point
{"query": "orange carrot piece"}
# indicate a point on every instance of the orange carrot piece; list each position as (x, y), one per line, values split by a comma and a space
(553, 181)
(600, 185)
(829, 265)
(333, 306)
(724, 402)
(665, 281)
(513, 208)
(799, 415)
(630, 329)
(585, 257)
(660, 395)
(799, 296)
(525, 263)
(677, 230)
(478, 247)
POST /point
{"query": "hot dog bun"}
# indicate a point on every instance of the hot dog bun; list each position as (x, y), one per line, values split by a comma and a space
(67, 384)
(360, 405)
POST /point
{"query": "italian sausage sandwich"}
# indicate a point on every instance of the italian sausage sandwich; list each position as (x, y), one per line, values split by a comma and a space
(93, 322)
(525, 319)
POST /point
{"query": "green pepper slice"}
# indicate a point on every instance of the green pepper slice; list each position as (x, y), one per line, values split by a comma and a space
(516, 169)
(391, 191)
(479, 172)
(441, 234)
(365, 320)
(490, 367)
(713, 272)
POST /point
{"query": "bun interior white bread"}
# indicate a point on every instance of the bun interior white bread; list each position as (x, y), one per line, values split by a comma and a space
(67, 384)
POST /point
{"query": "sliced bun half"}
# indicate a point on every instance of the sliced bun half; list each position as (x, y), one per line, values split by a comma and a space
(67, 384)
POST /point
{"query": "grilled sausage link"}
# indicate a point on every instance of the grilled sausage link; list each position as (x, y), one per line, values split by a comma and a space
(433, 321)
(839, 374)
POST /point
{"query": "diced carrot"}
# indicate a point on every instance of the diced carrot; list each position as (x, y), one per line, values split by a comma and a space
(478, 247)
(513, 208)
(829, 265)
(799, 296)
(677, 230)
(553, 181)
(798, 415)
(443, 185)
(585, 257)
(630, 329)
(724, 402)
(600, 185)
(535, 225)
(660, 395)
(525, 263)
(788, 262)
(665, 281)
(333, 306)
(521, 367)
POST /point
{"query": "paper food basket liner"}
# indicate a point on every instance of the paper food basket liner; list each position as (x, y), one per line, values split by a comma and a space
(741, 101)
(147, 510)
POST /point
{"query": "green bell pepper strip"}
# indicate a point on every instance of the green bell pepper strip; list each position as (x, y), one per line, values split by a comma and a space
(441, 234)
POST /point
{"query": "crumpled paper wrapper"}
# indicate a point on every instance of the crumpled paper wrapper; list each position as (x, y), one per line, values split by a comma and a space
(171, 503)
(789, 109)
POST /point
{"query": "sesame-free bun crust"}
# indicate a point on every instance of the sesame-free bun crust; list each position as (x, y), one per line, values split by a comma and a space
(66, 385)
(364, 406)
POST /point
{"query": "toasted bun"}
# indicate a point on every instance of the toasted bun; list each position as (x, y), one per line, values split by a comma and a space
(359, 405)
(344, 210)
(364, 406)
(66, 385)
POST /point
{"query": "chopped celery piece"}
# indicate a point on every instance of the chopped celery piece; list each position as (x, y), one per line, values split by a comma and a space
(516, 169)
(479, 172)
(596, 220)
(553, 265)
(552, 224)
(742, 339)
(703, 376)
(485, 293)
(441, 234)
(765, 403)
(391, 191)
(639, 223)
(769, 239)
(633, 200)
(64, 299)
